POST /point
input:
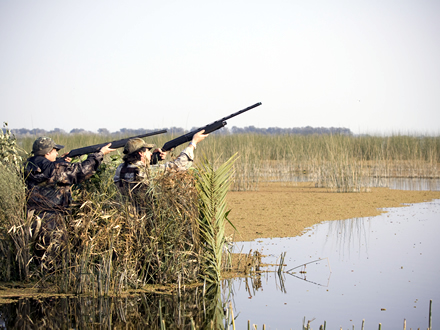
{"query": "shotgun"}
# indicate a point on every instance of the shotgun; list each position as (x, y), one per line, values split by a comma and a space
(208, 129)
(115, 144)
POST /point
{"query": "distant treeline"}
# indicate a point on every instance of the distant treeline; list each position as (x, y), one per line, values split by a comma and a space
(308, 130)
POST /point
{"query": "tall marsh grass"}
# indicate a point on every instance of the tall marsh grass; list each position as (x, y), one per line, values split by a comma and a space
(107, 244)
(14, 221)
(341, 163)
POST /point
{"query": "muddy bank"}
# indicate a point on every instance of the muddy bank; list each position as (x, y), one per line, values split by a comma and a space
(285, 210)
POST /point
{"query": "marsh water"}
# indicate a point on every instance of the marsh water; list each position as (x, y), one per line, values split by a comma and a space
(381, 269)
(412, 184)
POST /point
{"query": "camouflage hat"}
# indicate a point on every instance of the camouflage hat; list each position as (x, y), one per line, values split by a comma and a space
(44, 145)
(136, 144)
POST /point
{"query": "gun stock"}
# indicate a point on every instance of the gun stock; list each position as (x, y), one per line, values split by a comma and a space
(114, 144)
(208, 129)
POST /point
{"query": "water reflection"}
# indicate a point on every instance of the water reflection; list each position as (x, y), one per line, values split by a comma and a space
(140, 311)
(412, 184)
(349, 235)
(419, 184)
(382, 269)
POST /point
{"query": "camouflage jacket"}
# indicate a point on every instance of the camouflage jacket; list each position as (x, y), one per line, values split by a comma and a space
(129, 176)
(49, 183)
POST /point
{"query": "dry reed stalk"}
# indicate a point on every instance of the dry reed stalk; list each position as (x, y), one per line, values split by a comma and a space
(107, 245)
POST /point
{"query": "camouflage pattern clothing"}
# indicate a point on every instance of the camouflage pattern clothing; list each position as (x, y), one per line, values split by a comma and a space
(49, 183)
(129, 176)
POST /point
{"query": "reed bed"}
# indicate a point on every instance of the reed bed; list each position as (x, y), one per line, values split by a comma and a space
(338, 162)
(14, 220)
(92, 251)
(171, 234)
(341, 163)
(107, 246)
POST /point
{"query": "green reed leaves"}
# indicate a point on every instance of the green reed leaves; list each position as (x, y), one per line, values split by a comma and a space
(14, 225)
(10, 152)
(213, 186)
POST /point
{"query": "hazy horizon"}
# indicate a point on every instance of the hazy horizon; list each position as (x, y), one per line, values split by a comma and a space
(392, 133)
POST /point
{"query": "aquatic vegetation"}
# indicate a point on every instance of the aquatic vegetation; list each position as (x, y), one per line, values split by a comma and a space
(14, 221)
(341, 163)
(10, 152)
(172, 235)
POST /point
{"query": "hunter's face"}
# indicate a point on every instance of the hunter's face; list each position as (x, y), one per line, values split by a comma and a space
(146, 156)
(52, 155)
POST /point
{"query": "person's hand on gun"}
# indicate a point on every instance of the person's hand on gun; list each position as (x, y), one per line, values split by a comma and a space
(198, 137)
(106, 149)
(67, 159)
(162, 154)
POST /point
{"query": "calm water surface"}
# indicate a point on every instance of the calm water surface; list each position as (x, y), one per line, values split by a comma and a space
(412, 184)
(382, 269)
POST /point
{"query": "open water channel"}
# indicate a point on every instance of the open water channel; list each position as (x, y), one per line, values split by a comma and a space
(382, 269)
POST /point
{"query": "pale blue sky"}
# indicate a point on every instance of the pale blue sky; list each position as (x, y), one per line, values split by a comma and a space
(371, 66)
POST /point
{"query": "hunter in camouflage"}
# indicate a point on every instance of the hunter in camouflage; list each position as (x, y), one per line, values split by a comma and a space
(49, 179)
(131, 174)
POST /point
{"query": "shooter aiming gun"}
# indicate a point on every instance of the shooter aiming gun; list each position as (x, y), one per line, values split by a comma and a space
(115, 144)
(208, 129)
